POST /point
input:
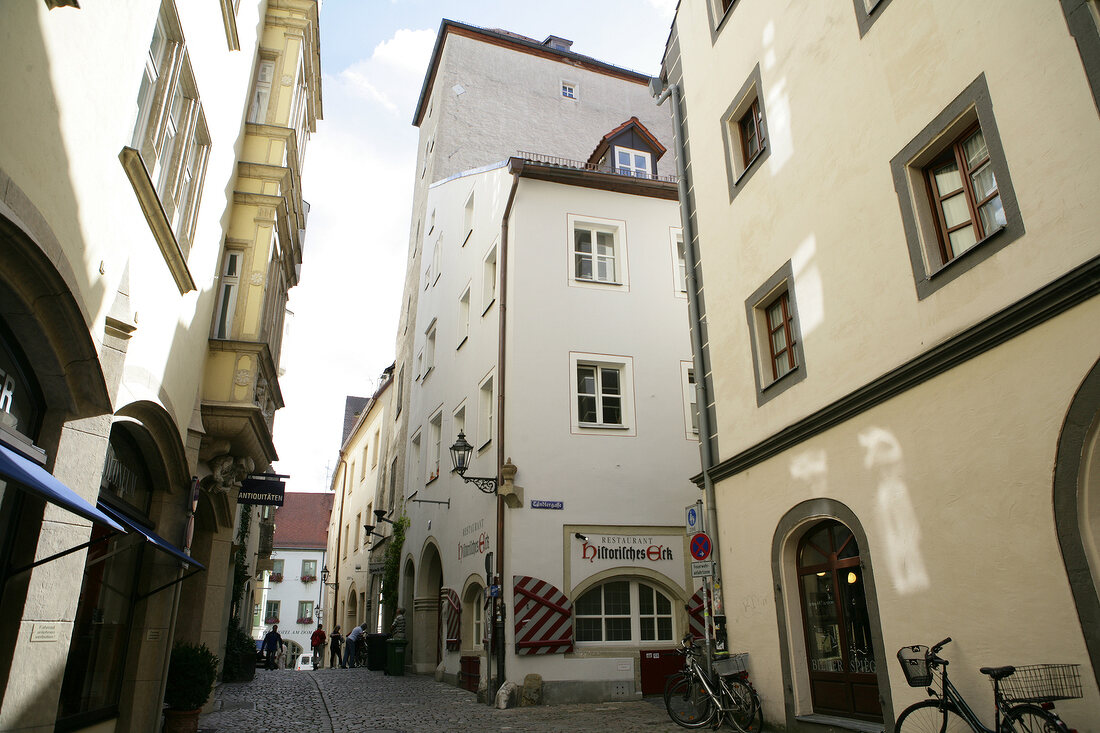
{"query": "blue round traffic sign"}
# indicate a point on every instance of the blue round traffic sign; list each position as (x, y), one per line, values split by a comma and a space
(700, 546)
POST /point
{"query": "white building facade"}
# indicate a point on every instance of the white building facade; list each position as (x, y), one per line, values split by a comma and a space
(292, 598)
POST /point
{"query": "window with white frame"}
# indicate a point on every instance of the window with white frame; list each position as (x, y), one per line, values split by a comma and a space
(623, 611)
(305, 612)
(468, 220)
(271, 612)
(299, 112)
(170, 132)
(679, 262)
(632, 162)
(414, 458)
(309, 571)
(597, 256)
(437, 259)
(419, 365)
(691, 399)
(602, 393)
(489, 280)
(458, 420)
(227, 293)
(463, 316)
(429, 349)
(485, 409)
(363, 464)
(568, 89)
(261, 91)
(374, 449)
(435, 434)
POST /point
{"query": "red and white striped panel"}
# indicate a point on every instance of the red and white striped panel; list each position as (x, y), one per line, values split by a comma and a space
(543, 617)
(452, 618)
(696, 615)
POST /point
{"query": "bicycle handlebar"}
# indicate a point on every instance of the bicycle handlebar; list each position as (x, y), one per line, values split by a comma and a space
(936, 648)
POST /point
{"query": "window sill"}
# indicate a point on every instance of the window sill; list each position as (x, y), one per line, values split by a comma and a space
(155, 216)
(601, 426)
(460, 343)
(749, 166)
(431, 480)
(424, 377)
(781, 380)
(966, 255)
(494, 300)
(590, 281)
(467, 239)
(484, 445)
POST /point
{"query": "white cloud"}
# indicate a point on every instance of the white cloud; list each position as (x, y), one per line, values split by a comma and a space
(665, 7)
(392, 75)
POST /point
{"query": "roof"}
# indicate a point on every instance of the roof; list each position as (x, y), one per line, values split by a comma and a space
(516, 42)
(634, 122)
(302, 521)
(353, 408)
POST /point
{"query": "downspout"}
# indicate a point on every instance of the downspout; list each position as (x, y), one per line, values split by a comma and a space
(706, 455)
(498, 601)
(339, 537)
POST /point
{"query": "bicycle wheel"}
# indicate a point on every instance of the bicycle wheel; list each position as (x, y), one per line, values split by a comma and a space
(931, 716)
(687, 703)
(1032, 719)
(746, 714)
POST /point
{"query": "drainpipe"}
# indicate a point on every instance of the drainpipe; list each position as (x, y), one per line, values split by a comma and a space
(706, 455)
(339, 533)
(498, 602)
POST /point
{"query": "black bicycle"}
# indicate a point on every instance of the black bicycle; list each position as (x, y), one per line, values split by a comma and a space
(1023, 697)
(694, 699)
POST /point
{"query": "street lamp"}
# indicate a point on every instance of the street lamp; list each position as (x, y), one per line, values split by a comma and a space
(380, 514)
(324, 578)
(460, 457)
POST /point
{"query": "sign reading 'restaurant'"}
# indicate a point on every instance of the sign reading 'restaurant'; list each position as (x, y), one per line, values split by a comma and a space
(662, 553)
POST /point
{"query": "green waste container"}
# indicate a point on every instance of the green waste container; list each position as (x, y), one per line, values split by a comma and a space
(376, 652)
(395, 656)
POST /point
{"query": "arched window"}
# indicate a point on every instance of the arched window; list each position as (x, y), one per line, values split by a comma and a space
(623, 611)
(839, 649)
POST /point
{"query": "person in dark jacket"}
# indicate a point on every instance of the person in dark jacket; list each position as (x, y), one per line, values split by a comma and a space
(273, 642)
(336, 642)
(317, 642)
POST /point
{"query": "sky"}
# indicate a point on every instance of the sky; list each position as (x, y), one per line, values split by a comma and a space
(358, 178)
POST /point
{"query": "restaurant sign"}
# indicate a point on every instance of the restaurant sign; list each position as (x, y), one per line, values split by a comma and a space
(599, 552)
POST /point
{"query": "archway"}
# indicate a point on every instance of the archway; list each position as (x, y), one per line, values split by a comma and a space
(1077, 507)
(351, 614)
(408, 582)
(427, 647)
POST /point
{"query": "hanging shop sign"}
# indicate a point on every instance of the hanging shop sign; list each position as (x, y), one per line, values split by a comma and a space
(599, 552)
(262, 489)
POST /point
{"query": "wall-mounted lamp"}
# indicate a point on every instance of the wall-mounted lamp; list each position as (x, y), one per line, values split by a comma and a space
(580, 537)
(380, 514)
(369, 529)
(460, 457)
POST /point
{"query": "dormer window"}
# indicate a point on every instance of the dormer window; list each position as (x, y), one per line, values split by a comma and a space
(633, 162)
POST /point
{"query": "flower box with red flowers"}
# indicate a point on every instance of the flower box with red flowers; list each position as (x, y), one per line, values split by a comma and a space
(276, 577)
(271, 620)
(308, 578)
(306, 620)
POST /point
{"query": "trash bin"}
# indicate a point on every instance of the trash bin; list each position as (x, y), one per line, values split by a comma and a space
(376, 652)
(395, 656)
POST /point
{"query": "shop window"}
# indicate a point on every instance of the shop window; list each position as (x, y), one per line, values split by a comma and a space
(840, 654)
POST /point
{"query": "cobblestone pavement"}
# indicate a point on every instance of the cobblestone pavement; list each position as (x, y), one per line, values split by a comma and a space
(348, 701)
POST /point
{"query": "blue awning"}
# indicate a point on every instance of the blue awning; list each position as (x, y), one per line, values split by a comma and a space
(151, 536)
(32, 477)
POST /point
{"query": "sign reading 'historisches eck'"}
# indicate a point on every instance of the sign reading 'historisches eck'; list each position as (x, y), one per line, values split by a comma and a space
(595, 552)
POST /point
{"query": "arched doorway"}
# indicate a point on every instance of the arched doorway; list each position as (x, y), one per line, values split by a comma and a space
(427, 646)
(840, 653)
(351, 616)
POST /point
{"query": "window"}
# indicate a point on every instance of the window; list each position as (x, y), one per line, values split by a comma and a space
(400, 391)
(351, 477)
(305, 612)
(414, 458)
(569, 90)
(227, 295)
(374, 449)
(602, 394)
(744, 131)
(309, 571)
(358, 528)
(363, 464)
(691, 400)
(598, 253)
(458, 420)
(429, 349)
(419, 364)
(393, 485)
(277, 569)
(271, 612)
(776, 339)
(463, 316)
(347, 533)
(477, 620)
(261, 92)
(623, 611)
(489, 280)
(170, 133)
(485, 408)
(299, 112)
(957, 202)
(633, 162)
(468, 220)
(679, 263)
(867, 12)
(435, 432)
(437, 259)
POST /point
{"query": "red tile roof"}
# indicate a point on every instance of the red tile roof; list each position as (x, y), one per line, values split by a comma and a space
(302, 521)
(605, 143)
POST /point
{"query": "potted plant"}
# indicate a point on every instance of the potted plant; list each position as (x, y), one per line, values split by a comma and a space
(276, 577)
(308, 578)
(191, 674)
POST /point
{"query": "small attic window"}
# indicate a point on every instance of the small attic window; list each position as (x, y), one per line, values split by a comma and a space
(568, 90)
(558, 43)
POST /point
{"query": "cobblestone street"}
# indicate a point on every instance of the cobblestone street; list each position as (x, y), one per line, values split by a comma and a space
(347, 701)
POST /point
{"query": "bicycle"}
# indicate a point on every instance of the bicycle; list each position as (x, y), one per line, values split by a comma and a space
(695, 699)
(1023, 697)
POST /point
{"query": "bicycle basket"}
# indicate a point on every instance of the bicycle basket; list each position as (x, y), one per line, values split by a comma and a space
(1043, 683)
(914, 663)
(733, 664)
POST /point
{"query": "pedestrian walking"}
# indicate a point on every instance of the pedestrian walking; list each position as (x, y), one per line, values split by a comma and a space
(336, 642)
(350, 643)
(317, 641)
(273, 643)
(397, 628)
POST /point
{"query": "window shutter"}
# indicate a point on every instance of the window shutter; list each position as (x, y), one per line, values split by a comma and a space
(696, 615)
(452, 615)
(543, 617)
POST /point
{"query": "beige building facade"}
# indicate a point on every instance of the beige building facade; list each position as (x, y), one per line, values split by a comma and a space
(894, 228)
(140, 359)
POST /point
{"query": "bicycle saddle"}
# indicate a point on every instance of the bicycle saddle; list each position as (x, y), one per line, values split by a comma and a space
(998, 673)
